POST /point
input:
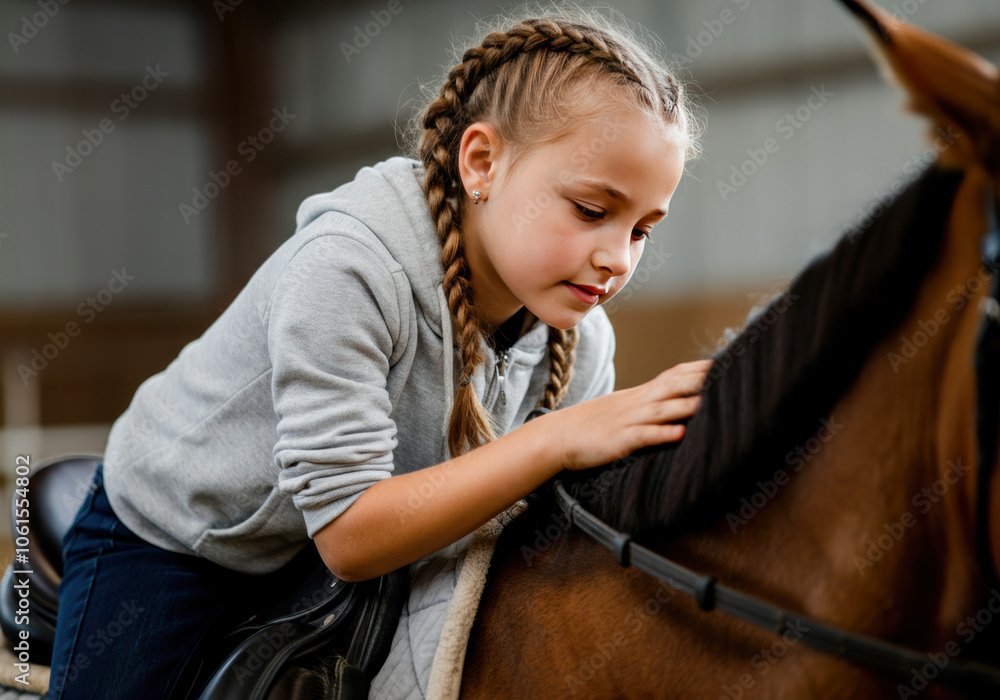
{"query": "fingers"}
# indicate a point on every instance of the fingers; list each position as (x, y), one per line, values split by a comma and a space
(659, 434)
(681, 380)
(697, 365)
(676, 409)
(694, 367)
(674, 395)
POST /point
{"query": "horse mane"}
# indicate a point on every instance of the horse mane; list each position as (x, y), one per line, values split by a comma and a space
(770, 387)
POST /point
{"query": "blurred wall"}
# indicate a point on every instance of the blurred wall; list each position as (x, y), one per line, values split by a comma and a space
(153, 155)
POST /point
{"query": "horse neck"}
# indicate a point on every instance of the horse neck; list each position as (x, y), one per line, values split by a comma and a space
(883, 535)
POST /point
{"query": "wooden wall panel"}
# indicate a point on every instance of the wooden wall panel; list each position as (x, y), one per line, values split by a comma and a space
(652, 337)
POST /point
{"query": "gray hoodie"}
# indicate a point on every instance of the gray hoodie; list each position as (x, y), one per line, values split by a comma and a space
(324, 375)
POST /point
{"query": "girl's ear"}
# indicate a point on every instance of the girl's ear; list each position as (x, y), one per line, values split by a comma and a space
(479, 157)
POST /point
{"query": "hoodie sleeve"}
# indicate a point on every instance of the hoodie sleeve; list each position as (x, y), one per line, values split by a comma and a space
(333, 320)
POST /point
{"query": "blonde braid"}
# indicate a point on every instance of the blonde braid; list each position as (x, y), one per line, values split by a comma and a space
(469, 424)
(562, 352)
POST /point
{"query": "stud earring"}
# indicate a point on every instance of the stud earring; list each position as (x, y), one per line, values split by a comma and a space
(476, 195)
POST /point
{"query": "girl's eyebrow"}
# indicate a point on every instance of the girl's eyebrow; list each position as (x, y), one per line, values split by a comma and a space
(612, 192)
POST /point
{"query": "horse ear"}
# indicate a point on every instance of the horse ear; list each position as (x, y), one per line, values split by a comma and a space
(953, 86)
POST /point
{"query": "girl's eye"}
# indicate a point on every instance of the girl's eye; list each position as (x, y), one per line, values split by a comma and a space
(592, 215)
(589, 214)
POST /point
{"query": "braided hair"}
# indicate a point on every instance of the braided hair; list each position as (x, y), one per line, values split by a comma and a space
(532, 82)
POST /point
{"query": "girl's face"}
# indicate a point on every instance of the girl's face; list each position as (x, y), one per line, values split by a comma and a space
(564, 230)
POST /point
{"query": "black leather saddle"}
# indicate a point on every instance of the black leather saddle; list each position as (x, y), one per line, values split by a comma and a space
(321, 637)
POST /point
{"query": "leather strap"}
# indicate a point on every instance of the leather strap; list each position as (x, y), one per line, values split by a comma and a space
(967, 676)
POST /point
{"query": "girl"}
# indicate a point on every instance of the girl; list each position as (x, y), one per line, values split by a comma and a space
(364, 389)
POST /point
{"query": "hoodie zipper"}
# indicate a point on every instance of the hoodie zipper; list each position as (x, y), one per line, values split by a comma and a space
(498, 371)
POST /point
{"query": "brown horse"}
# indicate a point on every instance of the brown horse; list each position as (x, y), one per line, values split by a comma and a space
(831, 469)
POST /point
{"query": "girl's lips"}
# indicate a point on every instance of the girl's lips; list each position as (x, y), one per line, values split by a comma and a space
(582, 294)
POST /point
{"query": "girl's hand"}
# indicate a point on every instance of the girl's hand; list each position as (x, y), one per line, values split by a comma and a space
(610, 427)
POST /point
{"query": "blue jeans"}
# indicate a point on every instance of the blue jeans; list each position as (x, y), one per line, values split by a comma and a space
(135, 619)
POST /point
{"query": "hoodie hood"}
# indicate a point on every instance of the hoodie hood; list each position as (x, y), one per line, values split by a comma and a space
(378, 196)
(389, 199)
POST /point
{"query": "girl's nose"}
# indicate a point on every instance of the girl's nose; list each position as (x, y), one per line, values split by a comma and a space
(614, 254)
